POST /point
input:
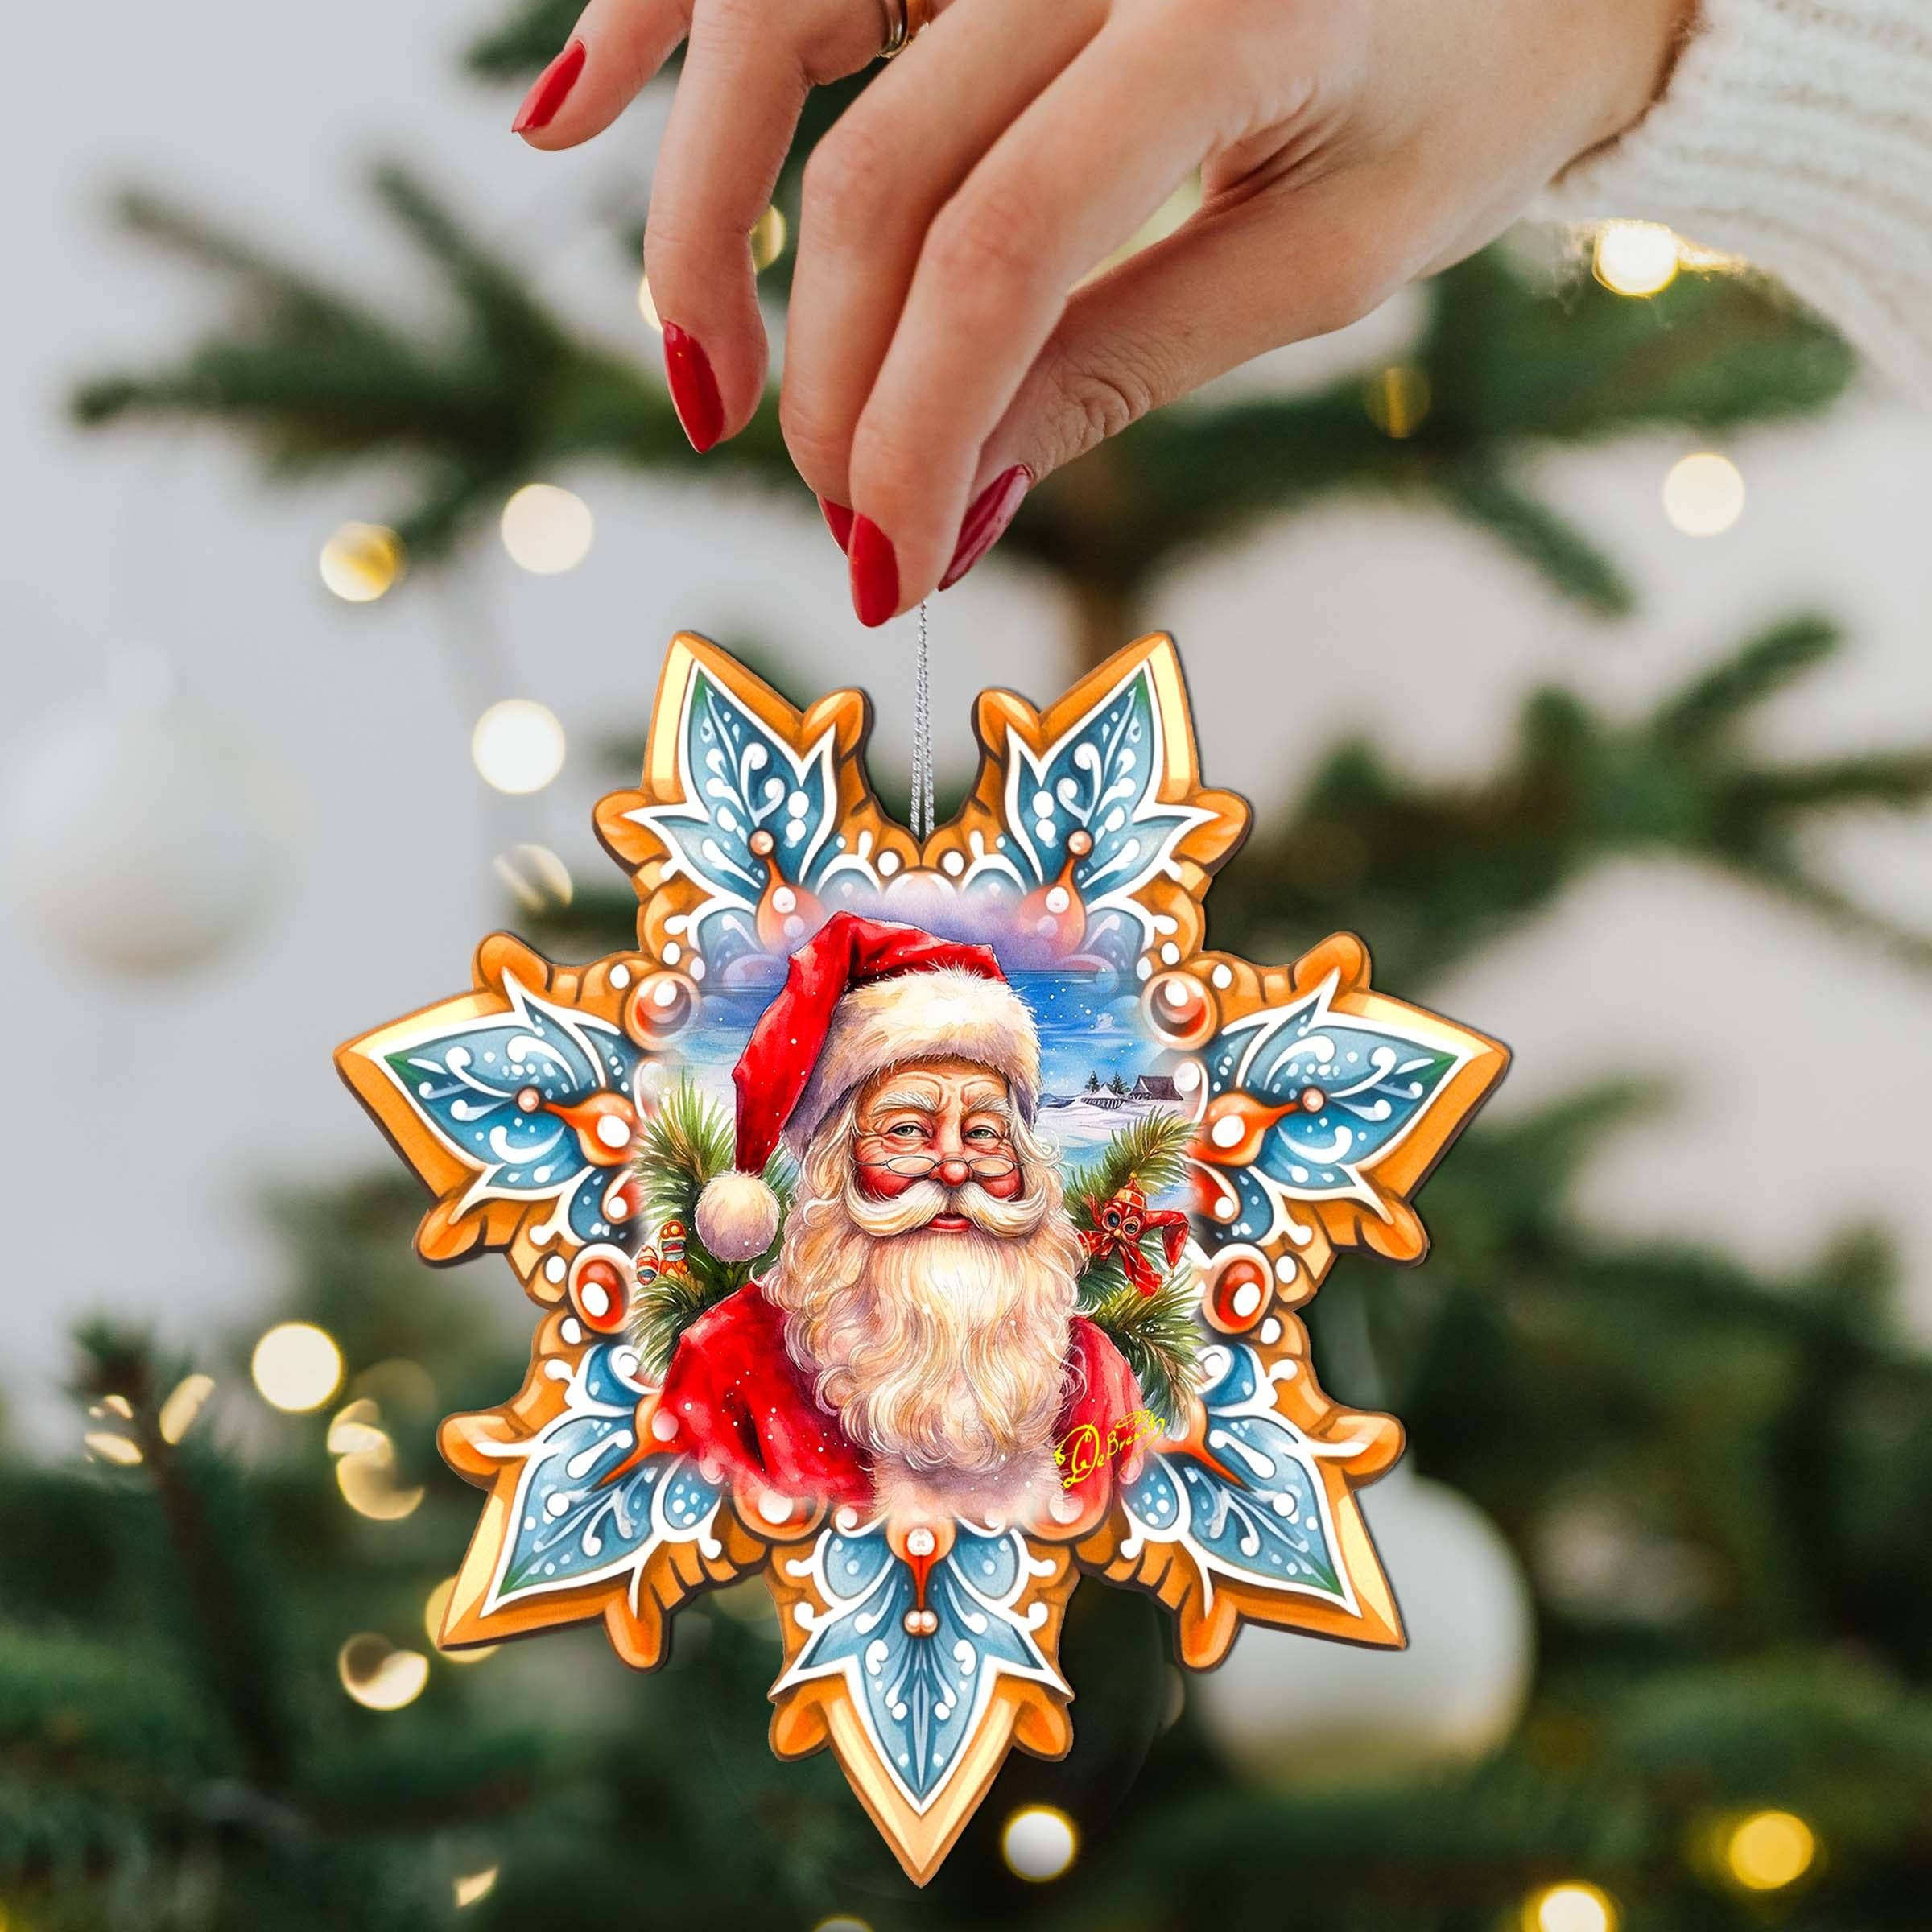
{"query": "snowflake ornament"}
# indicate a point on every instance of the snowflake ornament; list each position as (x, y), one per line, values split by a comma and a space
(1082, 856)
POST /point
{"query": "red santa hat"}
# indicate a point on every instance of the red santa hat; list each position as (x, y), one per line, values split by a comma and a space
(861, 996)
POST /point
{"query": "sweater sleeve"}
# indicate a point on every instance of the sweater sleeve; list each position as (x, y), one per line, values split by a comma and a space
(1796, 134)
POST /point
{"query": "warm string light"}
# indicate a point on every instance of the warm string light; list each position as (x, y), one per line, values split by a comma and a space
(1397, 399)
(109, 1445)
(1039, 1842)
(1643, 258)
(372, 1486)
(1704, 494)
(366, 1470)
(297, 1367)
(185, 1402)
(535, 876)
(841, 1922)
(355, 1430)
(472, 1887)
(518, 745)
(1769, 1850)
(378, 1675)
(1636, 258)
(769, 235)
(361, 561)
(547, 529)
(1573, 1906)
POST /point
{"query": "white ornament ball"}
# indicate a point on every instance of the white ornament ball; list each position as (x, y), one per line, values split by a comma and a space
(738, 1216)
(1295, 1710)
(140, 833)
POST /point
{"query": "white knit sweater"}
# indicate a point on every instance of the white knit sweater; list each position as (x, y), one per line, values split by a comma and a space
(1797, 134)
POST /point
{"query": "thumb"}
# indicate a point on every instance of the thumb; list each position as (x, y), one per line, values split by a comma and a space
(1237, 280)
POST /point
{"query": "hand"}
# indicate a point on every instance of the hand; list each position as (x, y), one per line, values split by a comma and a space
(943, 351)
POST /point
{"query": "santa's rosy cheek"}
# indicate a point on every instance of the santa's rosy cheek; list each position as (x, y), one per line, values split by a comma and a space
(882, 1184)
(1006, 1186)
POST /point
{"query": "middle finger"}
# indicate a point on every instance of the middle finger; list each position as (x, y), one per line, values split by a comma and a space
(872, 187)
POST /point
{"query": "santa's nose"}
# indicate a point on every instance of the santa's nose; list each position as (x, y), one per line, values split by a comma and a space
(953, 1172)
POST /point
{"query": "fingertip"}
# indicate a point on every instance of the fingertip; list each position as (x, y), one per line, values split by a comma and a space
(986, 520)
(874, 572)
(550, 90)
(838, 520)
(693, 387)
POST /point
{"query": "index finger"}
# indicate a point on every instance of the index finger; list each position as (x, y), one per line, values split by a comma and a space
(614, 49)
(747, 71)
(1054, 196)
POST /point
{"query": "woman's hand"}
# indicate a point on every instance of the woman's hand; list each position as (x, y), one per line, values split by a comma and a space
(943, 351)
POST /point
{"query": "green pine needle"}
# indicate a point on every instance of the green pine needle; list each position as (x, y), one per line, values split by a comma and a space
(687, 1139)
(1151, 1153)
(1159, 1335)
(663, 1310)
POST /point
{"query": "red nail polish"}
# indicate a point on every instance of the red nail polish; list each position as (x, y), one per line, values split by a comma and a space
(694, 388)
(838, 520)
(875, 573)
(550, 91)
(985, 524)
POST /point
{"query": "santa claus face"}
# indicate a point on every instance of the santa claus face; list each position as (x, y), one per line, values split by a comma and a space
(947, 1121)
(928, 1271)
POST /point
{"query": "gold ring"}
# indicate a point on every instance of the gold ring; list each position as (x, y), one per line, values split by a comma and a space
(905, 21)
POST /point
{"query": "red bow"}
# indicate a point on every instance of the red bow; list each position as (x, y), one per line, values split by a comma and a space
(1122, 1224)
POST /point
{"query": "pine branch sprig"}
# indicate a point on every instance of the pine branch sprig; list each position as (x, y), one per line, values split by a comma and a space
(663, 1309)
(1150, 1153)
(1159, 1335)
(687, 1138)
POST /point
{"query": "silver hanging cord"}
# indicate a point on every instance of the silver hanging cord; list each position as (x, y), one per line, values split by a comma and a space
(922, 736)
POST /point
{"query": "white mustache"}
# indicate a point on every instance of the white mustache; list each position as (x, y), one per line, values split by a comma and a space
(913, 1209)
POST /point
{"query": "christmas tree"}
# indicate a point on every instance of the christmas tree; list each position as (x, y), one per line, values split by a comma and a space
(218, 1706)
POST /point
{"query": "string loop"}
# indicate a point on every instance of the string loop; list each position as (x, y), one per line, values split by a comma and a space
(922, 734)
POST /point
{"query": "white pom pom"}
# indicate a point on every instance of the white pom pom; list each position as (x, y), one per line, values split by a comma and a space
(738, 1216)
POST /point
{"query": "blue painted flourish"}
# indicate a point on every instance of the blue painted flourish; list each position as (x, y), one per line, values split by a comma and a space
(463, 1081)
(738, 779)
(1267, 1520)
(570, 1526)
(921, 1697)
(1102, 776)
(1373, 1083)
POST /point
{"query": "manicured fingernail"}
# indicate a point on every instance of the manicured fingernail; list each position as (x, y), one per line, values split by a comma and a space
(550, 90)
(694, 388)
(992, 509)
(875, 573)
(838, 520)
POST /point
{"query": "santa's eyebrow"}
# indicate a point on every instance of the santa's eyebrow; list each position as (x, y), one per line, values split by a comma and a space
(907, 1099)
(994, 1104)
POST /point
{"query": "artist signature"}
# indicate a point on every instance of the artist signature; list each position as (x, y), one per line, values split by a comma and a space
(1082, 1451)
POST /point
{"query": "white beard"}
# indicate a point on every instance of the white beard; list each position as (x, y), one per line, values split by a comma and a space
(942, 1354)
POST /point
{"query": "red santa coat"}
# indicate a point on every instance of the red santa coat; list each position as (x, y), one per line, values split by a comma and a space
(738, 1399)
